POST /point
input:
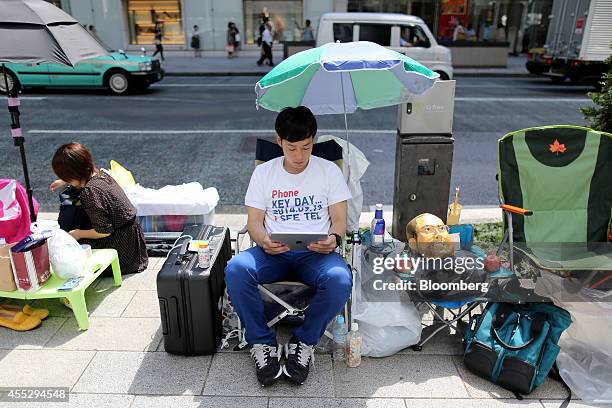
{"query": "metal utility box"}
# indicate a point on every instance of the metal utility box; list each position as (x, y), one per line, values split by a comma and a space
(430, 113)
(423, 156)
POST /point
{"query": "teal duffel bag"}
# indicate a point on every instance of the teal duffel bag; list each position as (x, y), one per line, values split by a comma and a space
(515, 345)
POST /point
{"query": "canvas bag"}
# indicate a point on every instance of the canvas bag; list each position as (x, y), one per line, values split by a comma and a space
(515, 345)
(30, 262)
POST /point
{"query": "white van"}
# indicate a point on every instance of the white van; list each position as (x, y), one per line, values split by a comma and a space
(400, 32)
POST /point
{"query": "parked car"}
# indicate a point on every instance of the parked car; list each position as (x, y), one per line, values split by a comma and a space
(118, 72)
(537, 63)
(400, 32)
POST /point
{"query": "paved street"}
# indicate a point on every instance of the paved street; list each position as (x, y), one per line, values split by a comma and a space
(204, 129)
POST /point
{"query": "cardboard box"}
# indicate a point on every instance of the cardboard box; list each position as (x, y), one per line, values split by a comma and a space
(7, 281)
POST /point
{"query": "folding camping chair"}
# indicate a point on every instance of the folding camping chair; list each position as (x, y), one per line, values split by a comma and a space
(556, 192)
(458, 309)
(264, 151)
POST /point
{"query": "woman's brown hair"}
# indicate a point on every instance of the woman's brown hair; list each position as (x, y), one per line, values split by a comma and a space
(72, 161)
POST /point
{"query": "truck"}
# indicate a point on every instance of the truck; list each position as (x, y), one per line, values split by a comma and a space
(578, 41)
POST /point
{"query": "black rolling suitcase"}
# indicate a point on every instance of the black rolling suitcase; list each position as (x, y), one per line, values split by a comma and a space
(189, 296)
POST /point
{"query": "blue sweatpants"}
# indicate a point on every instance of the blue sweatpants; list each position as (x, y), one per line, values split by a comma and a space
(328, 275)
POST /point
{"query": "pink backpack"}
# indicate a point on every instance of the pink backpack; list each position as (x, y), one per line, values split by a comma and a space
(14, 211)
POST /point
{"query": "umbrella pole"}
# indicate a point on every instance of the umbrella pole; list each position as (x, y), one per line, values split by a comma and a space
(348, 144)
(13, 107)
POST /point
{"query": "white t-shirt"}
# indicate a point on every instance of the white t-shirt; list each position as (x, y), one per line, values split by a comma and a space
(297, 202)
(266, 36)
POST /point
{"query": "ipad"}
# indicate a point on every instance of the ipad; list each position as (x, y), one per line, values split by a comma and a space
(298, 240)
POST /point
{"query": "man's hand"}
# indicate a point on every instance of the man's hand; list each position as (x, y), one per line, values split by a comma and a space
(273, 247)
(325, 246)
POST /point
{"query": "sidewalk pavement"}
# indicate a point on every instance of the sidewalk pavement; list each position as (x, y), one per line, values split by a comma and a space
(213, 64)
(120, 362)
(469, 215)
(236, 221)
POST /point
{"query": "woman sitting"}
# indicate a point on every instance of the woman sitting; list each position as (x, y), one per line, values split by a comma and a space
(113, 217)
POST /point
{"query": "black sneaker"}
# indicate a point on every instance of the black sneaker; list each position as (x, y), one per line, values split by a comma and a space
(267, 363)
(299, 355)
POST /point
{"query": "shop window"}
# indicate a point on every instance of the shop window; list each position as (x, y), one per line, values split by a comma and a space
(413, 36)
(285, 17)
(343, 32)
(376, 33)
(145, 14)
(378, 6)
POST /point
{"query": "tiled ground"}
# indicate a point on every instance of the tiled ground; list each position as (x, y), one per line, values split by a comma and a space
(120, 362)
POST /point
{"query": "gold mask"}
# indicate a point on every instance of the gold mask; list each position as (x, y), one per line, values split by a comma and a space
(428, 235)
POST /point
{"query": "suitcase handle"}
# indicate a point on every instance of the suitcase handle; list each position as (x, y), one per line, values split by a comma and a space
(181, 255)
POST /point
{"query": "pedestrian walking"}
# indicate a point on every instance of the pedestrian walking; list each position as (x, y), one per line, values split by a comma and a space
(263, 20)
(195, 42)
(230, 40)
(459, 32)
(237, 40)
(307, 33)
(470, 34)
(500, 33)
(159, 48)
(266, 45)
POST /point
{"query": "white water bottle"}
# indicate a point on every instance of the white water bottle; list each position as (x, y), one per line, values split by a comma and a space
(339, 335)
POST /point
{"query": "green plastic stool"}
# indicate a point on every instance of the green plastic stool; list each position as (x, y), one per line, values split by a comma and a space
(96, 264)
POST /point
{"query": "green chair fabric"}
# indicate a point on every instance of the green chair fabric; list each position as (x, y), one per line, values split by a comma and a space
(564, 175)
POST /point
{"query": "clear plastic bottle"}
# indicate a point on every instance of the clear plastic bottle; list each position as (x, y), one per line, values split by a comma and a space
(204, 255)
(377, 229)
(339, 335)
(353, 347)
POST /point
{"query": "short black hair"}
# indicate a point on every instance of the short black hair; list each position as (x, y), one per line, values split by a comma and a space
(295, 124)
(307, 22)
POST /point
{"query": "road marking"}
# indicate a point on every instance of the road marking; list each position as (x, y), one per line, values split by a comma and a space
(518, 86)
(526, 99)
(32, 98)
(195, 131)
(459, 85)
(154, 98)
(201, 85)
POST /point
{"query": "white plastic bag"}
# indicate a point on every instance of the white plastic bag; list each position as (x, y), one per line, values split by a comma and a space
(587, 371)
(354, 159)
(585, 359)
(386, 326)
(66, 255)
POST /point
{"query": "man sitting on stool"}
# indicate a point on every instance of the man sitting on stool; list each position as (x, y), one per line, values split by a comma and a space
(297, 192)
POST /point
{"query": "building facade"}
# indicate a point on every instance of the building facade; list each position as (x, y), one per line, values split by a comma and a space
(129, 24)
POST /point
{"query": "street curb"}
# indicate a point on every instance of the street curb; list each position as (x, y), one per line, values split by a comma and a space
(258, 74)
(213, 74)
(492, 75)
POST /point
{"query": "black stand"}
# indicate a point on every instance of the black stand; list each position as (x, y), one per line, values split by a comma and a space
(18, 139)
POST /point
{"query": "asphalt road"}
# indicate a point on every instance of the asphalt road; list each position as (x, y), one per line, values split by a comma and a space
(204, 129)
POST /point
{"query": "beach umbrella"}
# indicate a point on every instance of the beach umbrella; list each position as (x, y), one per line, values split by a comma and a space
(339, 78)
(35, 31)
